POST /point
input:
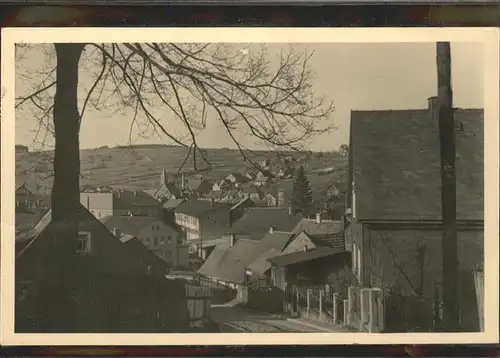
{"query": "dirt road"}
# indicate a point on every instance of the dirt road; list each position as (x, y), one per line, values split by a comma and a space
(233, 318)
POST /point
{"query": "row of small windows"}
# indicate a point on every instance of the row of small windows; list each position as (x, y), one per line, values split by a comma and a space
(157, 240)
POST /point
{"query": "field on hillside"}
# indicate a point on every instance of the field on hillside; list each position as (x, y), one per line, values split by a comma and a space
(140, 167)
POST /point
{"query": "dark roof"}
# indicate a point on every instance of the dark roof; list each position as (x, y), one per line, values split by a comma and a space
(124, 199)
(199, 183)
(395, 158)
(256, 221)
(240, 178)
(311, 227)
(171, 204)
(131, 225)
(302, 256)
(198, 207)
(336, 240)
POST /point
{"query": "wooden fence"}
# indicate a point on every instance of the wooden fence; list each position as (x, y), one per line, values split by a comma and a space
(115, 304)
(314, 302)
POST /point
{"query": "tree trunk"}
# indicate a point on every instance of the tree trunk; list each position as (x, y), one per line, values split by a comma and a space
(66, 189)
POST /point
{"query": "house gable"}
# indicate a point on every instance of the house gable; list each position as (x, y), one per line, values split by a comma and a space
(299, 243)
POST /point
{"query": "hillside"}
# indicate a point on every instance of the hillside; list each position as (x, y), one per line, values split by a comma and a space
(141, 166)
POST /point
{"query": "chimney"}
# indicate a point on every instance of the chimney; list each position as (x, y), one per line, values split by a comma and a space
(135, 192)
(117, 232)
(290, 210)
(318, 218)
(433, 107)
(271, 230)
(281, 197)
(164, 178)
(233, 239)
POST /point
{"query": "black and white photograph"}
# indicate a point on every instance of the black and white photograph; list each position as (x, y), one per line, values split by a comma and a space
(218, 186)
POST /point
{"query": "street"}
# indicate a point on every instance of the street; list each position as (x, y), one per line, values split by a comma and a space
(233, 318)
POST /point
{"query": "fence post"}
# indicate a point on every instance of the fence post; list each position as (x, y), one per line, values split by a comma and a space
(335, 311)
(346, 314)
(285, 298)
(308, 310)
(364, 303)
(379, 307)
(350, 298)
(327, 290)
(298, 300)
(321, 292)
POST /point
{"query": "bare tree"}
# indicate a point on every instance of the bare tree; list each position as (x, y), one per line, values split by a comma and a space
(162, 82)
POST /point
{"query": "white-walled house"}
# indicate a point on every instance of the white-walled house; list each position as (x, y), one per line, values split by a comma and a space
(203, 219)
(162, 239)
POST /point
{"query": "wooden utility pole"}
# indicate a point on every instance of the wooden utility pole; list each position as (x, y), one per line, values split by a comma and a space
(448, 188)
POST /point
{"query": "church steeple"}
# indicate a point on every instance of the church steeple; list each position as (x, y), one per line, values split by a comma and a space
(164, 177)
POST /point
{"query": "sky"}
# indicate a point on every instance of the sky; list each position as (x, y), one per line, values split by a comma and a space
(360, 76)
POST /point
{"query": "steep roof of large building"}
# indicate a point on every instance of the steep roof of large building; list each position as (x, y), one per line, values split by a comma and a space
(395, 164)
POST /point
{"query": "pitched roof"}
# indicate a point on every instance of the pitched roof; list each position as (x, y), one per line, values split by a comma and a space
(198, 207)
(240, 178)
(228, 263)
(395, 160)
(261, 264)
(311, 227)
(131, 225)
(172, 203)
(256, 221)
(195, 183)
(125, 198)
(166, 190)
(303, 256)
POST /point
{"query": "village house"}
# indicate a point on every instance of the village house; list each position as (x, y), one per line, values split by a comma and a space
(256, 221)
(285, 172)
(166, 190)
(26, 200)
(199, 186)
(229, 260)
(252, 193)
(106, 201)
(163, 240)
(317, 245)
(250, 175)
(102, 264)
(95, 241)
(237, 179)
(307, 267)
(203, 219)
(393, 215)
(263, 178)
(221, 185)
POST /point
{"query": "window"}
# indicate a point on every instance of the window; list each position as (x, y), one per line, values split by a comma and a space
(155, 241)
(83, 247)
(169, 239)
(162, 240)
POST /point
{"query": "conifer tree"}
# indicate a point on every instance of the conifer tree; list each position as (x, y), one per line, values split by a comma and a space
(302, 198)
